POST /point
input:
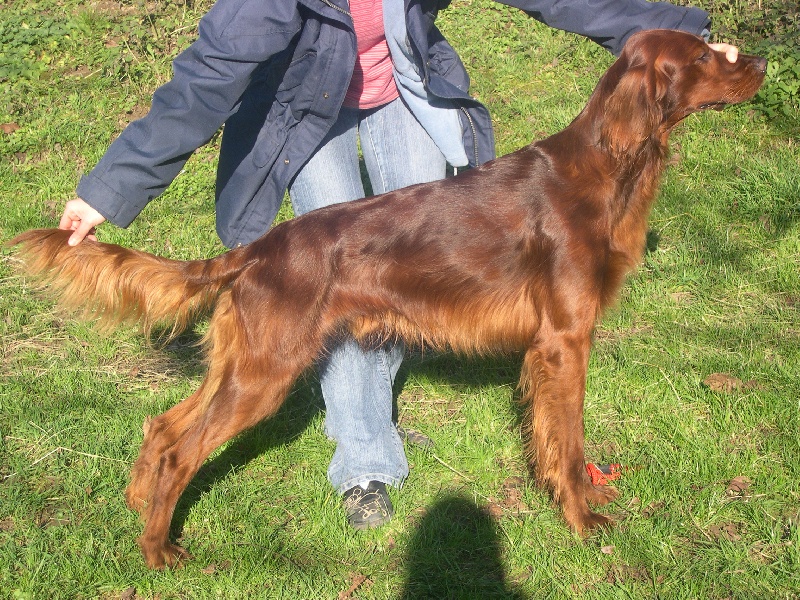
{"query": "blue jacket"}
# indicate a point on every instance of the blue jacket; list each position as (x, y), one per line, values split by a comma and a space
(275, 72)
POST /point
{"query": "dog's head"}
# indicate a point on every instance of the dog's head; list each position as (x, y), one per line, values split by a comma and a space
(661, 77)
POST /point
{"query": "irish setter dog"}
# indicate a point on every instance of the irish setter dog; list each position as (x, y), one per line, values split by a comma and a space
(520, 254)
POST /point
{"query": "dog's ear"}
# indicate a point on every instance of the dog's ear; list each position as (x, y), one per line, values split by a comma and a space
(633, 110)
(636, 95)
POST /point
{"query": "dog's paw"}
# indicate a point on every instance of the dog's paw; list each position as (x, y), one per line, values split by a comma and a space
(589, 522)
(581, 519)
(596, 521)
(160, 555)
(600, 495)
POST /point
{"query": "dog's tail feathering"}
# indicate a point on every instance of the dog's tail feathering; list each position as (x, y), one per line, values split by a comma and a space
(113, 285)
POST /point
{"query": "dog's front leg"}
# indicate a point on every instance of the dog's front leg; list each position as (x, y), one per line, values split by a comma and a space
(553, 384)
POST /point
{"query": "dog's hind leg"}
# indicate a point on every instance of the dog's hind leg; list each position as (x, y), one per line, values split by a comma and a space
(238, 404)
(159, 434)
(254, 359)
(553, 383)
(163, 431)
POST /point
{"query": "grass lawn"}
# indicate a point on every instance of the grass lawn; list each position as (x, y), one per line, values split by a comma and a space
(693, 383)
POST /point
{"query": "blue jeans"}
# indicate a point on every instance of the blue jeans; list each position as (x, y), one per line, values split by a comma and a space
(356, 383)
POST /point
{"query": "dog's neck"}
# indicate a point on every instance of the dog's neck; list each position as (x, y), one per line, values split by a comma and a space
(631, 171)
(625, 176)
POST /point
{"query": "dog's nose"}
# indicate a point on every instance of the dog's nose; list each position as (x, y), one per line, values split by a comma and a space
(760, 64)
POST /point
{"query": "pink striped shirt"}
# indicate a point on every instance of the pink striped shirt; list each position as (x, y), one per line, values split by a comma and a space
(372, 83)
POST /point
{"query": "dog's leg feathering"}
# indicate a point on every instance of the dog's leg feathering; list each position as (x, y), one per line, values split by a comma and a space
(233, 408)
(553, 385)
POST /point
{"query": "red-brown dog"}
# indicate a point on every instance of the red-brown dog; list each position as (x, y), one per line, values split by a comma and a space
(522, 253)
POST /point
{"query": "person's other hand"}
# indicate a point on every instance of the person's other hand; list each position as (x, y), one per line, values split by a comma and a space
(731, 52)
(81, 219)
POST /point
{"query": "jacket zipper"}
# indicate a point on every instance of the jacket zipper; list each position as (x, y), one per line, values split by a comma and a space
(474, 134)
(334, 7)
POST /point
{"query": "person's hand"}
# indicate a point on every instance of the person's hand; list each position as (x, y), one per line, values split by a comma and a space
(731, 52)
(81, 219)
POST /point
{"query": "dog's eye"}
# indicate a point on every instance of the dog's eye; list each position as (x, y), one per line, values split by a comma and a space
(704, 57)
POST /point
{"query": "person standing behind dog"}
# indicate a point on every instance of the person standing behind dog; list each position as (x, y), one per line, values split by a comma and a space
(296, 84)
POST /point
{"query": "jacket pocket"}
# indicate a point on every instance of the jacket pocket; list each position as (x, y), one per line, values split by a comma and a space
(268, 146)
(297, 70)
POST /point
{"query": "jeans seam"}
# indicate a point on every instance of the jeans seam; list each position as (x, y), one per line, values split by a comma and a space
(379, 159)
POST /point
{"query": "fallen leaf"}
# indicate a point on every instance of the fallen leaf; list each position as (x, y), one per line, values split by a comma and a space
(652, 509)
(608, 549)
(739, 486)
(792, 301)
(520, 577)
(725, 531)
(213, 567)
(494, 509)
(512, 495)
(8, 127)
(417, 515)
(681, 297)
(128, 594)
(722, 382)
(357, 581)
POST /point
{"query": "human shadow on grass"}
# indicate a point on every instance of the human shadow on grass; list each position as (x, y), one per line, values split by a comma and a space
(455, 553)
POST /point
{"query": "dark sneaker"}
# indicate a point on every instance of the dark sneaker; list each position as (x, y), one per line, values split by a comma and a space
(367, 508)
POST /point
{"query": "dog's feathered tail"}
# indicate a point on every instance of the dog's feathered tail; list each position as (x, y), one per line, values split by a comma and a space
(114, 285)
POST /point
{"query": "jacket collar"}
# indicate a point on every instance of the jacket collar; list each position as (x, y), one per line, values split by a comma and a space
(338, 10)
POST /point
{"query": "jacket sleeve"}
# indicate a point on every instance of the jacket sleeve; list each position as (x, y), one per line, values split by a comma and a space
(208, 81)
(611, 22)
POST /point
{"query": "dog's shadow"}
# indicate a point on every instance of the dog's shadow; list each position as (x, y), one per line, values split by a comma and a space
(455, 553)
(458, 370)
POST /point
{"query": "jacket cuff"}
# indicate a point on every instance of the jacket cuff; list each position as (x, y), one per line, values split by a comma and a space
(105, 200)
